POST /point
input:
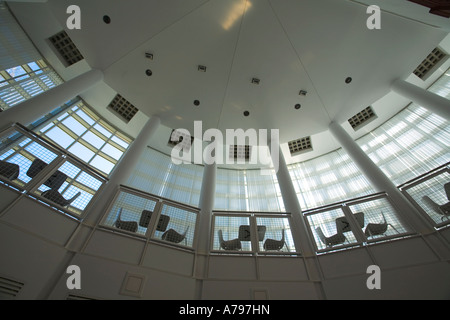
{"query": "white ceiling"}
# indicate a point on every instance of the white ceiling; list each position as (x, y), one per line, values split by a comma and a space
(290, 45)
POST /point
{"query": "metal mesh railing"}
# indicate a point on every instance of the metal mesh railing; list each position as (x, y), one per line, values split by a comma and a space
(330, 228)
(431, 194)
(176, 225)
(141, 214)
(40, 169)
(260, 233)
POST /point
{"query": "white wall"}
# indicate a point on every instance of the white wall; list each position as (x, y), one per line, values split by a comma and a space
(34, 249)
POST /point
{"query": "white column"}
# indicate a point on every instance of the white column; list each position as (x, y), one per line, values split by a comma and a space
(429, 100)
(42, 104)
(407, 212)
(206, 206)
(122, 171)
(291, 204)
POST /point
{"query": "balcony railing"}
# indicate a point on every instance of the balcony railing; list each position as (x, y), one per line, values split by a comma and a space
(140, 214)
(355, 222)
(430, 194)
(45, 172)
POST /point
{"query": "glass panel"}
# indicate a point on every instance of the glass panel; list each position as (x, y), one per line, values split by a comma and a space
(227, 236)
(176, 226)
(331, 229)
(130, 213)
(102, 164)
(274, 235)
(378, 218)
(433, 196)
(60, 137)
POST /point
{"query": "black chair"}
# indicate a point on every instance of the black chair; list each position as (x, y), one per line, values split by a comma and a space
(443, 210)
(376, 229)
(173, 236)
(56, 197)
(333, 240)
(146, 215)
(54, 182)
(272, 244)
(234, 244)
(9, 170)
(125, 225)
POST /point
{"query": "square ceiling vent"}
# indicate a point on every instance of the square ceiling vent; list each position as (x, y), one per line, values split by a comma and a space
(300, 146)
(122, 108)
(179, 138)
(67, 50)
(430, 62)
(242, 153)
(362, 118)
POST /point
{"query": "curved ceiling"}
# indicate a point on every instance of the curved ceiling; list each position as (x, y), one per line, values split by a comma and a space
(289, 45)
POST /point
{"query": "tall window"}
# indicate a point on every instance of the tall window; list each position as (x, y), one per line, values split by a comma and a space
(327, 179)
(247, 190)
(157, 175)
(88, 137)
(23, 82)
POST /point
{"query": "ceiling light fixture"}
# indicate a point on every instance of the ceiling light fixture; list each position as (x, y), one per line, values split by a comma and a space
(149, 55)
(201, 68)
(348, 80)
(196, 103)
(246, 113)
(298, 106)
(106, 19)
(256, 81)
(148, 72)
(303, 92)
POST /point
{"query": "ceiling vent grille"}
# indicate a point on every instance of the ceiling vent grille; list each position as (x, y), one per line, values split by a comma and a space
(180, 138)
(9, 289)
(429, 63)
(362, 118)
(300, 146)
(238, 152)
(66, 48)
(123, 108)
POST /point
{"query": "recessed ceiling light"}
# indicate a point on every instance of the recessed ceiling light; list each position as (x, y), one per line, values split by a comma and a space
(148, 72)
(196, 103)
(246, 113)
(256, 81)
(303, 92)
(298, 106)
(149, 55)
(348, 80)
(106, 19)
(201, 68)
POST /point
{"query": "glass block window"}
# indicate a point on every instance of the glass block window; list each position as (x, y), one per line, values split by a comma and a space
(328, 179)
(158, 175)
(247, 190)
(413, 142)
(23, 82)
(87, 136)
